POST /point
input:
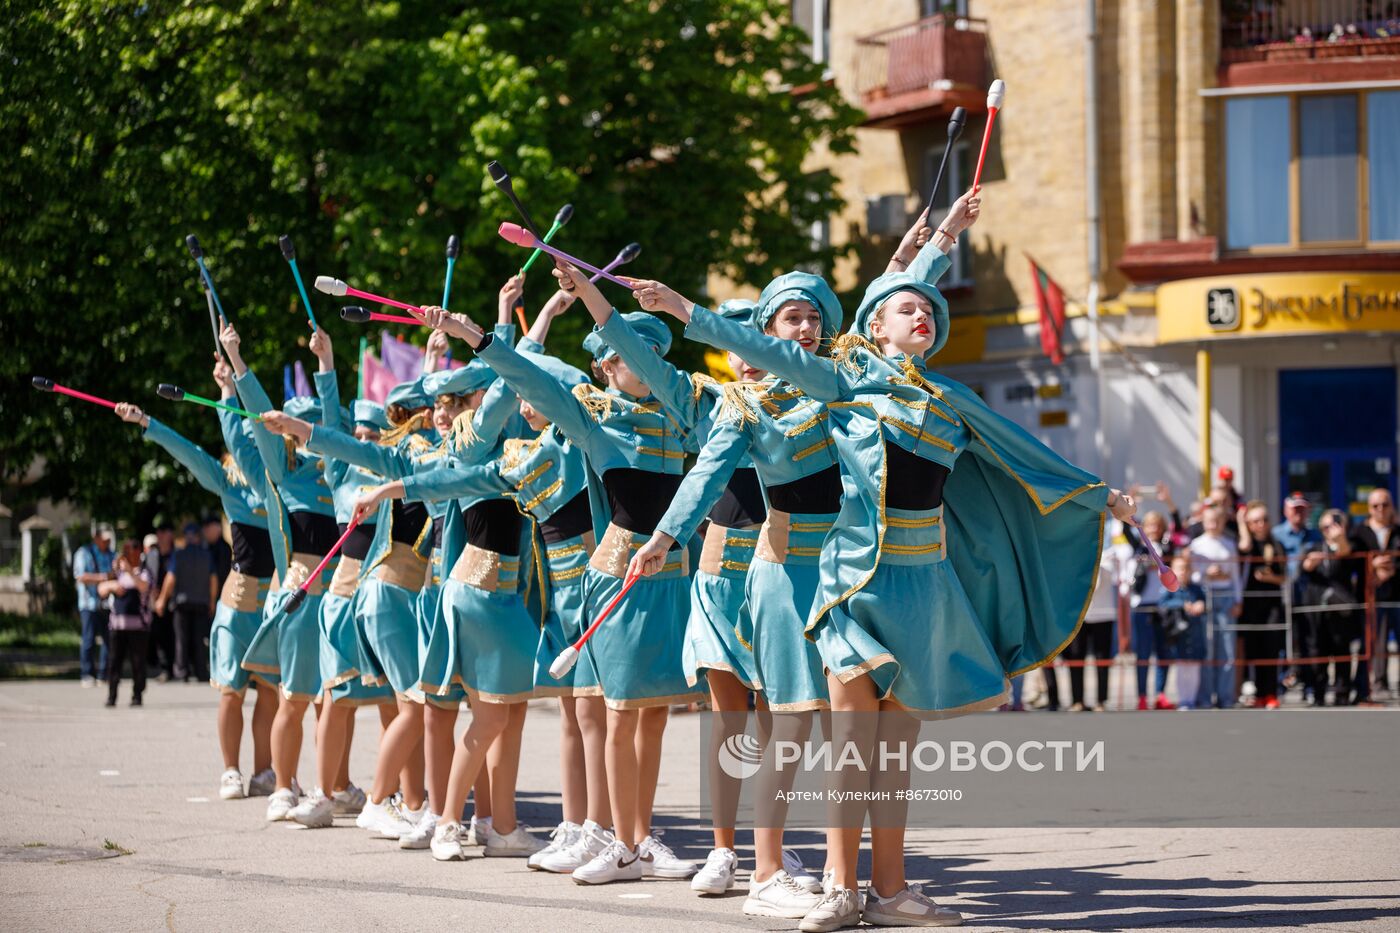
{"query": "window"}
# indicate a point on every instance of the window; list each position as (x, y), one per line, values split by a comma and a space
(956, 179)
(1383, 159)
(1256, 171)
(814, 18)
(1312, 170)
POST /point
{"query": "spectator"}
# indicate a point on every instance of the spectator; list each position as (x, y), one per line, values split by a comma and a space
(1262, 614)
(91, 566)
(1183, 621)
(1095, 636)
(1221, 494)
(160, 652)
(1215, 566)
(1147, 637)
(1296, 538)
(1378, 534)
(130, 620)
(192, 587)
(1336, 576)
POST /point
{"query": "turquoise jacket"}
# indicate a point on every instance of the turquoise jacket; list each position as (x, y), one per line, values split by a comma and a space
(1024, 526)
(612, 429)
(470, 442)
(292, 484)
(768, 425)
(344, 479)
(240, 502)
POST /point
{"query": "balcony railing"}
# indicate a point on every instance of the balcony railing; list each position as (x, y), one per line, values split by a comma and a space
(919, 70)
(1311, 27)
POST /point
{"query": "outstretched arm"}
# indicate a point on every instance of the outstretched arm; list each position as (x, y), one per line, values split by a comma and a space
(557, 305)
(548, 396)
(205, 469)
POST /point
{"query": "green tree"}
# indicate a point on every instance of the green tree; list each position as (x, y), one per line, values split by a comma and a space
(363, 131)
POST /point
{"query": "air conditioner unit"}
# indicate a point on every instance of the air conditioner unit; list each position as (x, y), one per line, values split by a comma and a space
(886, 215)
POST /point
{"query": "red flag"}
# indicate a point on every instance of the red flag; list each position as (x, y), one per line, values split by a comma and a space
(378, 378)
(1051, 300)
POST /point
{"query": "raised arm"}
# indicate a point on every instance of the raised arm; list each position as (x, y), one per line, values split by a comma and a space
(547, 394)
(671, 386)
(206, 470)
(455, 482)
(817, 376)
(239, 442)
(270, 447)
(327, 389)
(539, 330)
(488, 421)
(702, 487)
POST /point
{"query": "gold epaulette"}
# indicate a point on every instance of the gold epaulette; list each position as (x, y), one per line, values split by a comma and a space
(598, 403)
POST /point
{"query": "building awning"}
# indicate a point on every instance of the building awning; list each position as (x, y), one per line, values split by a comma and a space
(1277, 304)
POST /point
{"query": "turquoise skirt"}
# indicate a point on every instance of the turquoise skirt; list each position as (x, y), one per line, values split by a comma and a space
(636, 653)
(230, 634)
(389, 640)
(296, 640)
(487, 648)
(779, 597)
(563, 622)
(429, 611)
(913, 629)
(718, 613)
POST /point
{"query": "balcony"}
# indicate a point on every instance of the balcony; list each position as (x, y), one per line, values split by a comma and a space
(920, 71)
(1309, 41)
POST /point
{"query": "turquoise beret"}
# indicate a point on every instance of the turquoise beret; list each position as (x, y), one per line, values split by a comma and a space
(799, 286)
(409, 395)
(886, 287)
(370, 414)
(461, 381)
(738, 310)
(649, 327)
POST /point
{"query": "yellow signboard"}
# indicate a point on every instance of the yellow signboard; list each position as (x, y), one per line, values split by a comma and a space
(1277, 304)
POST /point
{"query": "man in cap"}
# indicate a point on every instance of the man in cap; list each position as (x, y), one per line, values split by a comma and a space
(191, 586)
(93, 565)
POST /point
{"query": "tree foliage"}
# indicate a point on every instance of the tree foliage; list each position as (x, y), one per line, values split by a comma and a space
(363, 131)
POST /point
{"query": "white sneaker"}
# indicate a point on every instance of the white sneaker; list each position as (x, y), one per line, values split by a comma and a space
(909, 908)
(477, 830)
(592, 839)
(564, 835)
(617, 862)
(718, 874)
(263, 783)
(348, 802)
(658, 860)
(280, 804)
(385, 820)
(315, 812)
(88, 681)
(792, 864)
(422, 835)
(518, 843)
(447, 842)
(828, 879)
(780, 896)
(838, 908)
(231, 785)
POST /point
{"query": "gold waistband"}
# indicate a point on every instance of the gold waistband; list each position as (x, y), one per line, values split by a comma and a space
(402, 567)
(346, 578)
(240, 592)
(299, 570)
(717, 537)
(615, 552)
(484, 569)
(778, 528)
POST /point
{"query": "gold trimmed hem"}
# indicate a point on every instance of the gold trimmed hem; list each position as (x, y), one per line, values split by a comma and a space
(560, 693)
(228, 689)
(339, 679)
(976, 706)
(865, 667)
(649, 702)
(692, 680)
(588, 692)
(306, 697)
(261, 668)
(362, 701)
(448, 703)
(253, 677)
(369, 680)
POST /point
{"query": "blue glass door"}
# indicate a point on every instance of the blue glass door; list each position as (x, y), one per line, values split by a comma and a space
(1337, 435)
